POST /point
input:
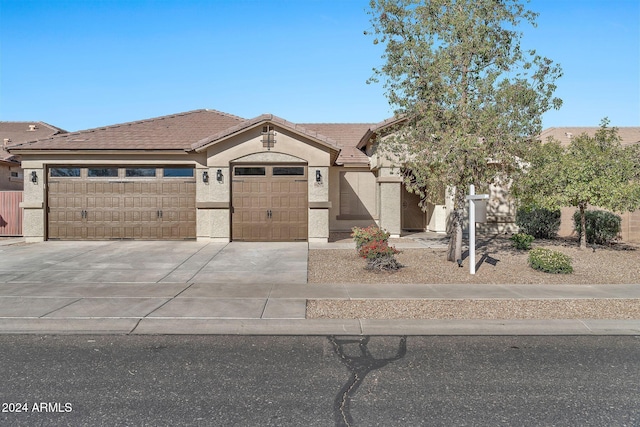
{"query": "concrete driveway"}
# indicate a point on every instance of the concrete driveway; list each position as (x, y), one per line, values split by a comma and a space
(154, 262)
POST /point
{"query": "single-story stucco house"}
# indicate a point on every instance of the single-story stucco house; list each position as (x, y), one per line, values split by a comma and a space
(210, 175)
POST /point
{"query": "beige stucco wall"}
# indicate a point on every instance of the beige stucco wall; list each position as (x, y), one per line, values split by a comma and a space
(33, 195)
(250, 142)
(390, 184)
(247, 147)
(367, 193)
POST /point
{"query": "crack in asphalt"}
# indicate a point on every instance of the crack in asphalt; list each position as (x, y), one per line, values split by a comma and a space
(359, 366)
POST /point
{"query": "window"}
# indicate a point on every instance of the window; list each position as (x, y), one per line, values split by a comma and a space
(140, 172)
(102, 172)
(249, 171)
(14, 174)
(64, 172)
(288, 170)
(178, 172)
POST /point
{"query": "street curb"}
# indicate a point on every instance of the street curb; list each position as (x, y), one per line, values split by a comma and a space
(353, 327)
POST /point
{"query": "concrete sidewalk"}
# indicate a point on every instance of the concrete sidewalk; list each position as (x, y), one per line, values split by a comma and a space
(237, 288)
(276, 309)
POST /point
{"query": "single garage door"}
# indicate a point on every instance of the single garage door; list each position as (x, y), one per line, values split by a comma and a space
(100, 203)
(269, 203)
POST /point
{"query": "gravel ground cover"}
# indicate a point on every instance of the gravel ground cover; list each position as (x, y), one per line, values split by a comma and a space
(497, 309)
(498, 263)
(501, 264)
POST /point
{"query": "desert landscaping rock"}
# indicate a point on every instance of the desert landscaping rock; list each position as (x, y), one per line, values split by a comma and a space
(501, 264)
(498, 263)
(496, 309)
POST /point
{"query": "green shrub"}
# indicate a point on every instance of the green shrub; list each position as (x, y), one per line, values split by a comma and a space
(362, 236)
(372, 244)
(522, 241)
(602, 226)
(550, 261)
(539, 222)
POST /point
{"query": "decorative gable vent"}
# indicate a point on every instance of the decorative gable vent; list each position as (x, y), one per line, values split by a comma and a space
(268, 137)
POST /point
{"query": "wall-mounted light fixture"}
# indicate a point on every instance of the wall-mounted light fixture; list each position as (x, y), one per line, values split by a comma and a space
(318, 176)
(205, 176)
(219, 175)
(34, 177)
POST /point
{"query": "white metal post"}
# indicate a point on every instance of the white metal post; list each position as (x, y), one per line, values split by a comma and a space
(472, 230)
(472, 198)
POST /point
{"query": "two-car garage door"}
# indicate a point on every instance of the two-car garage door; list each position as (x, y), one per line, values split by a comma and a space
(269, 203)
(121, 203)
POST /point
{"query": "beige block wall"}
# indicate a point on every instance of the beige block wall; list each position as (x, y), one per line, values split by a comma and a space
(629, 228)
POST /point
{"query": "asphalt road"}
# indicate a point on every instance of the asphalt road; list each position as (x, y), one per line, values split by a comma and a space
(319, 381)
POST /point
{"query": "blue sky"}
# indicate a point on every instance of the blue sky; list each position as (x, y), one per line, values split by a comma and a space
(79, 64)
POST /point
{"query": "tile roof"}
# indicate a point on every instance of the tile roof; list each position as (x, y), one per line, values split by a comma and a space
(264, 118)
(629, 135)
(347, 136)
(172, 132)
(194, 130)
(21, 132)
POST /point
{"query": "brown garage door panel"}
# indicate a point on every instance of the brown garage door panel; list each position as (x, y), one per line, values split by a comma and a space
(269, 208)
(81, 208)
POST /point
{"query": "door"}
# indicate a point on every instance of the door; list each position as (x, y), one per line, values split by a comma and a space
(269, 203)
(101, 203)
(413, 217)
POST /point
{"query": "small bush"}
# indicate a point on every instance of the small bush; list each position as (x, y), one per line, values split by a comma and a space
(550, 261)
(362, 236)
(372, 244)
(522, 241)
(539, 222)
(602, 226)
(386, 263)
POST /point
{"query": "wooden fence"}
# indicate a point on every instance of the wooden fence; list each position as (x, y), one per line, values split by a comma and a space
(10, 213)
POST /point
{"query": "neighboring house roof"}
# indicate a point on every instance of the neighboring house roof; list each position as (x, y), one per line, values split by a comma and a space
(628, 135)
(21, 132)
